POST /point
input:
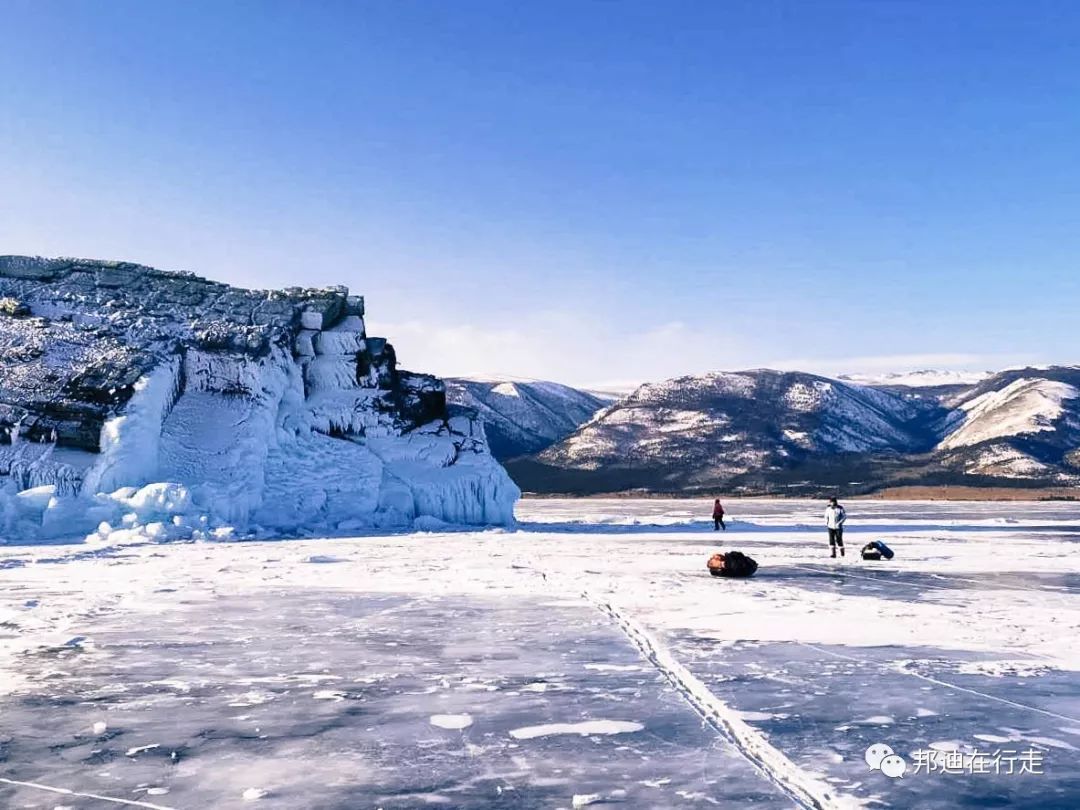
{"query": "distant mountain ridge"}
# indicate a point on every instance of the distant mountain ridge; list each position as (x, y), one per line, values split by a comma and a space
(523, 416)
(924, 378)
(763, 431)
(1021, 423)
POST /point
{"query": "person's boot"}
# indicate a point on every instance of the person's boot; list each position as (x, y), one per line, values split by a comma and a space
(834, 553)
(841, 551)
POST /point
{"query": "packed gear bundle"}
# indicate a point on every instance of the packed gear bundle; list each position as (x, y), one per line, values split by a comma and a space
(731, 564)
(876, 550)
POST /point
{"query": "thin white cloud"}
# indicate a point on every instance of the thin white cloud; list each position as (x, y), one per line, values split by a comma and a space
(568, 347)
(578, 348)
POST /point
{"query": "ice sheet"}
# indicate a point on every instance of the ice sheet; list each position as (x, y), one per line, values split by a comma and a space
(602, 611)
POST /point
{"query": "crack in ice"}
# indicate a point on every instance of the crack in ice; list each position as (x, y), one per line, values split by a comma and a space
(946, 684)
(804, 788)
(66, 792)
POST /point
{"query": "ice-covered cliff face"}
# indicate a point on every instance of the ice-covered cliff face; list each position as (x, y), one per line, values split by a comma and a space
(158, 403)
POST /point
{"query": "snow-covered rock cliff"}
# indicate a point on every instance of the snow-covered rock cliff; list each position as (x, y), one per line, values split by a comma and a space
(164, 404)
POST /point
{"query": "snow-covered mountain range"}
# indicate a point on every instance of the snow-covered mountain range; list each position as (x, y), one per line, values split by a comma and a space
(1020, 424)
(524, 416)
(925, 378)
(772, 431)
(164, 404)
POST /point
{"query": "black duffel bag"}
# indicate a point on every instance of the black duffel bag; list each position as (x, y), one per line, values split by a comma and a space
(732, 564)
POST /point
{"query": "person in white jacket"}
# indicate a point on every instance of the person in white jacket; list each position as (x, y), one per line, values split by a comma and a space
(834, 521)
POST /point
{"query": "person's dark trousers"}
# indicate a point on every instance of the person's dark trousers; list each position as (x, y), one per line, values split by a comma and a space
(718, 524)
(836, 540)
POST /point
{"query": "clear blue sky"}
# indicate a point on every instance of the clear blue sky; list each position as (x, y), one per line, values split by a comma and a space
(584, 191)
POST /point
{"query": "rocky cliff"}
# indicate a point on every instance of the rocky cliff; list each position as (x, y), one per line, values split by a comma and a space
(247, 411)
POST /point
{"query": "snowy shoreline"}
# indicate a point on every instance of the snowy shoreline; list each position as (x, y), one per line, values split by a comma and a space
(957, 494)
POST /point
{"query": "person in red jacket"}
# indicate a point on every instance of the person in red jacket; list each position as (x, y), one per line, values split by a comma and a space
(718, 516)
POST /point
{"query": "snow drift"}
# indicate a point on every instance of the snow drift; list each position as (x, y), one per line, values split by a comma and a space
(139, 403)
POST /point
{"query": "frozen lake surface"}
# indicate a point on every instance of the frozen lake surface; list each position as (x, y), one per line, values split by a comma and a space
(587, 659)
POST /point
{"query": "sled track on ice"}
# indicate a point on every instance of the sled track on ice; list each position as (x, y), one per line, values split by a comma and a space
(806, 790)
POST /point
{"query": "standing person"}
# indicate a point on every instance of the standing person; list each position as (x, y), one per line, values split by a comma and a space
(834, 521)
(718, 516)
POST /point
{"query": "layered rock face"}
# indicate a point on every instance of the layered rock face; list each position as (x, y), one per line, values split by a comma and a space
(272, 410)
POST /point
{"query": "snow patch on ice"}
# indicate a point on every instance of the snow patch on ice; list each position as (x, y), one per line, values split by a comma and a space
(586, 728)
(754, 717)
(877, 720)
(1003, 669)
(132, 752)
(1051, 742)
(946, 745)
(588, 799)
(453, 722)
(614, 667)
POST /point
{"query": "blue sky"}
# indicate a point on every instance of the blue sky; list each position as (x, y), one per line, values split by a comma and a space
(591, 192)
